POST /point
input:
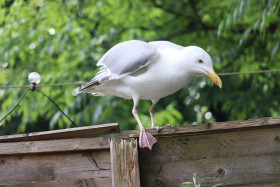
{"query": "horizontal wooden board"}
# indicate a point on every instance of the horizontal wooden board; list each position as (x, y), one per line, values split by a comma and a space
(48, 146)
(88, 167)
(208, 128)
(94, 182)
(78, 132)
(237, 158)
(229, 171)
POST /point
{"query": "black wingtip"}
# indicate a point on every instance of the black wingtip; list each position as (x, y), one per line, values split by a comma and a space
(89, 84)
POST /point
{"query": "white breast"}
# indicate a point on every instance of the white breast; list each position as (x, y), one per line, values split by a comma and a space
(161, 78)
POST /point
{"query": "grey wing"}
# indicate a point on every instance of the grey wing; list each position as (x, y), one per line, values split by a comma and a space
(166, 44)
(128, 57)
(123, 59)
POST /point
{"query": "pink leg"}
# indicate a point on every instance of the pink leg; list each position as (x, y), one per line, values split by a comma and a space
(145, 138)
(152, 109)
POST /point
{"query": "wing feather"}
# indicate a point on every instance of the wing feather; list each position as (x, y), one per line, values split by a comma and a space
(123, 59)
(166, 44)
(127, 57)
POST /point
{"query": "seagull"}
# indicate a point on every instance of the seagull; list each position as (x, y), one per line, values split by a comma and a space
(141, 70)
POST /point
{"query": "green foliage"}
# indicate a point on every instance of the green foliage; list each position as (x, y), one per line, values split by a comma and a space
(195, 184)
(63, 40)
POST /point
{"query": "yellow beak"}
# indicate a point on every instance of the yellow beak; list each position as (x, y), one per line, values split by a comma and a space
(215, 78)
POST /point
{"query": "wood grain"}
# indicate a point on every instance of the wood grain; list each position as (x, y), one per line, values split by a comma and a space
(87, 168)
(48, 146)
(78, 132)
(124, 159)
(68, 183)
(237, 158)
(209, 128)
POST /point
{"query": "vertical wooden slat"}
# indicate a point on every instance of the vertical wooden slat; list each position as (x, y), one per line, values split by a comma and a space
(124, 163)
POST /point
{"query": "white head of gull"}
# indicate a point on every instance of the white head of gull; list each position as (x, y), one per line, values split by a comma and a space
(148, 71)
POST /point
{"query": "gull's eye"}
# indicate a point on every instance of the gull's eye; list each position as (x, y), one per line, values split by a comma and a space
(200, 61)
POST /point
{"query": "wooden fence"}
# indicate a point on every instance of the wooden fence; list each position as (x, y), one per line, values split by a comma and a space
(239, 153)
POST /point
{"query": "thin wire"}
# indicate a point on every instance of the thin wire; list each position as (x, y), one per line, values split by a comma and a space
(242, 73)
(250, 72)
(80, 83)
(43, 85)
(57, 107)
(15, 106)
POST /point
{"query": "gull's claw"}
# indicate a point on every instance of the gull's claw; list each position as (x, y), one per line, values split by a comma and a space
(159, 128)
(146, 139)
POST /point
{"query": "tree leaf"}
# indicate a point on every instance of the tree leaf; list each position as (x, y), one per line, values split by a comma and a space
(194, 179)
(218, 185)
(274, 50)
(204, 179)
(187, 184)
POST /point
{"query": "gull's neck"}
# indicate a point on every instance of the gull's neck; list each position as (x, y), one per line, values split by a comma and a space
(177, 66)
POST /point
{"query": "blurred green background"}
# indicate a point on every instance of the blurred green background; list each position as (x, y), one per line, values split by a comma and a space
(63, 40)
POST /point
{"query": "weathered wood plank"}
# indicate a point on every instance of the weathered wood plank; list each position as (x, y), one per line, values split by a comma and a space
(208, 128)
(48, 146)
(124, 159)
(266, 184)
(237, 158)
(78, 132)
(93, 183)
(229, 171)
(90, 167)
(68, 183)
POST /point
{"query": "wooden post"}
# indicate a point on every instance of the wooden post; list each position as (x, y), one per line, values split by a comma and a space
(124, 163)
